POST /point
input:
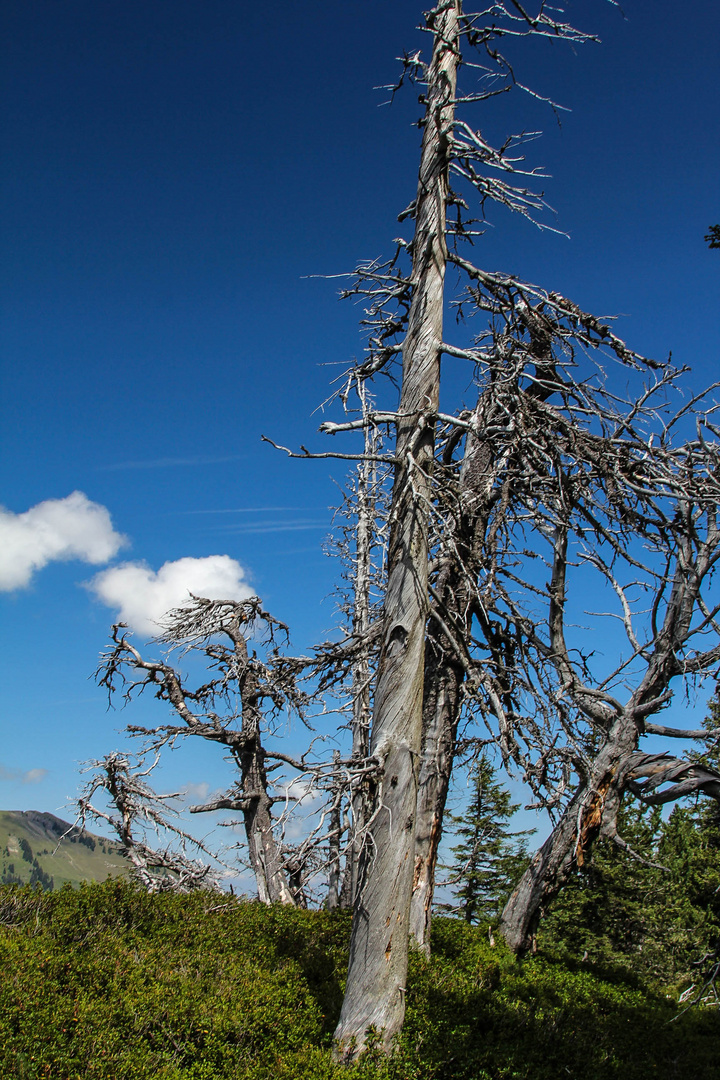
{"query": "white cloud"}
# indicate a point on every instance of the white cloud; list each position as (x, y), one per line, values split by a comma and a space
(57, 529)
(32, 776)
(141, 596)
(196, 792)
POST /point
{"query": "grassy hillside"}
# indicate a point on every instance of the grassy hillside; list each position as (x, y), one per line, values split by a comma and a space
(31, 852)
(106, 982)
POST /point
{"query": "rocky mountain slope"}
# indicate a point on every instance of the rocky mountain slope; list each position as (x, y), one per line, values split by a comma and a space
(33, 851)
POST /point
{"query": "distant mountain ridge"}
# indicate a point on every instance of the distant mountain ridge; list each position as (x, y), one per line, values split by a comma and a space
(32, 851)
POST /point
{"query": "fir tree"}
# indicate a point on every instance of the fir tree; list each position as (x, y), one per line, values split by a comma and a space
(712, 239)
(490, 856)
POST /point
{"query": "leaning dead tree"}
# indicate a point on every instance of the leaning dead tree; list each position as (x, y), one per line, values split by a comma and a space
(228, 709)
(548, 457)
(667, 607)
(543, 442)
(542, 471)
(136, 813)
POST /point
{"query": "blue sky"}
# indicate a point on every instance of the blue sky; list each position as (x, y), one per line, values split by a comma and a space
(173, 174)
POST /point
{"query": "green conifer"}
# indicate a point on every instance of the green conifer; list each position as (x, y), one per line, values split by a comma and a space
(490, 856)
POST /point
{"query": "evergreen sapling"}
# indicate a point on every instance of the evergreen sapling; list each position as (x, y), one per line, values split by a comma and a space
(490, 856)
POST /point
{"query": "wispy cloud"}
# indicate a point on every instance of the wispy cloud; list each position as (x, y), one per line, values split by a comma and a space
(34, 776)
(272, 527)
(253, 510)
(170, 462)
(31, 776)
(196, 792)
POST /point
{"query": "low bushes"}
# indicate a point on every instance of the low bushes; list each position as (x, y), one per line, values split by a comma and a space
(107, 982)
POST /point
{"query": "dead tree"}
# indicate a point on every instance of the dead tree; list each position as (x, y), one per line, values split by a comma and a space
(540, 416)
(568, 459)
(606, 490)
(244, 684)
(233, 709)
(405, 317)
(359, 542)
(365, 542)
(359, 539)
(580, 466)
(138, 812)
(375, 990)
(668, 612)
(453, 632)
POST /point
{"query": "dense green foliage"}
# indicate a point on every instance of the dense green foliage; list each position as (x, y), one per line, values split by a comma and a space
(110, 982)
(655, 920)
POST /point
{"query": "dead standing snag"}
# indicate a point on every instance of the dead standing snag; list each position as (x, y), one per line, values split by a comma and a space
(375, 991)
(136, 811)
(404, 316)
(243, 684)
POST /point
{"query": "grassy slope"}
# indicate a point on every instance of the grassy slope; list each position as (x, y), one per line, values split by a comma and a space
(107, 983)
(71, 861)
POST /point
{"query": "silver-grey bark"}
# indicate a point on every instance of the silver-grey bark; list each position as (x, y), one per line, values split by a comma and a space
(377, 972)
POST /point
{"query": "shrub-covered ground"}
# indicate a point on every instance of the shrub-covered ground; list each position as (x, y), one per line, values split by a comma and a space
(108, 982)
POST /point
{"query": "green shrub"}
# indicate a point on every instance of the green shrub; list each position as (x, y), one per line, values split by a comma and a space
(107, 983)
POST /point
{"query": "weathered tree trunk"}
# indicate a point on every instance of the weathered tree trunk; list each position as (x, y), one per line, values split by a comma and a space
(264, 851)
(375, 992)
(593, 807)
(361, 671)
(541, 881)
(441, 711)
(568, 845)
(592, 812)
(444, 668)
(251, 797)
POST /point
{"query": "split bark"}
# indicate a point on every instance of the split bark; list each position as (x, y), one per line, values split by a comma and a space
(446, 667)
(618, 765)
(375, 992)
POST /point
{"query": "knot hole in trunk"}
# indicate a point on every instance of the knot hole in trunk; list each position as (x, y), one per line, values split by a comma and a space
(397, 640)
